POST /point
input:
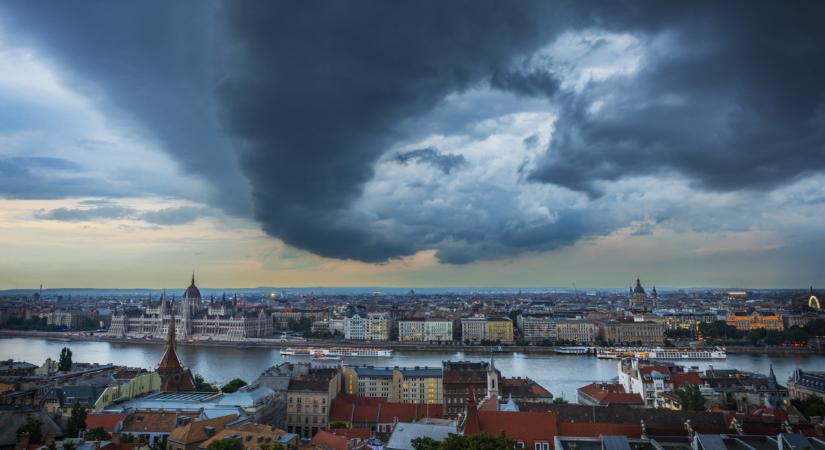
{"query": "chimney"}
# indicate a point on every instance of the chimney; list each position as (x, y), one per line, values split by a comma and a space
(209, 430)
(22, 441)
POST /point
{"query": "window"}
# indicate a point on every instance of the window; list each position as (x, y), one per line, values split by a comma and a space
(542, 446)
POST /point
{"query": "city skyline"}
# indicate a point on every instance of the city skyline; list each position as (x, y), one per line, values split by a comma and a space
(429, 144)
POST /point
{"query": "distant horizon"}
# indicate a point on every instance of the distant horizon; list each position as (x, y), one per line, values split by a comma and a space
(401, 289)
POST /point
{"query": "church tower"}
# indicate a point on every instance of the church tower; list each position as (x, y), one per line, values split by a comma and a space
(173, 376)
(492, 379)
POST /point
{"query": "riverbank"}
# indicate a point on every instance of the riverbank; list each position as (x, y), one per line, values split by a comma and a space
(399, 346)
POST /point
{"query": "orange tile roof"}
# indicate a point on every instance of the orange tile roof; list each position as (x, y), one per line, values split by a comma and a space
(194, 432)
(106, 421)
(151, 421)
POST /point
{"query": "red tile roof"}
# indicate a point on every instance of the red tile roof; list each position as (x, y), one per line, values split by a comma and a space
(631, 430)
(527, 427)
(106, 421)
(326, 440)
(379, 410)
(683, 379)
(610, 393)
(353, 433)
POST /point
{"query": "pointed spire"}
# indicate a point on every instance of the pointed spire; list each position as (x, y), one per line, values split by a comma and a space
(471, 425)
(193, 278)
(492, 367)
(170, 338)
(772, 383)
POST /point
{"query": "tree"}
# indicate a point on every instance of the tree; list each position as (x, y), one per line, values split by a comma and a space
(32, 428)
(202, 386)
(69, 445)
(127, 438)
(560, 401)
(273, 446)
(77, 420)
(97, 434)
(336, 425)
(481, 441)
(691, 398)
(226, 444)
(425, 443)
(65, 363)
(233, 385)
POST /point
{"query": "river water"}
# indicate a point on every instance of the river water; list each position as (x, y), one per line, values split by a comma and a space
(561, 374)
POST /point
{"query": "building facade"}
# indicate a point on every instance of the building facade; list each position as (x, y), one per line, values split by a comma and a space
(755, 320)
(473, 329)
(576, 331)
(309, 398)
(500, 329)
(422, 385)
(196, 319)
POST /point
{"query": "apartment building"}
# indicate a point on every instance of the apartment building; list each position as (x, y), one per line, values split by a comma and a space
(308, 400)
(576, 331)
(500, 329)
(367, 327)
(410, 330)
(648, 333)
(396, 384)
(537, 328)
(473, 329)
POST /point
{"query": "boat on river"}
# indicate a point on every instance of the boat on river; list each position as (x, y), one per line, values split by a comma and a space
(341, 352)
(662, 353)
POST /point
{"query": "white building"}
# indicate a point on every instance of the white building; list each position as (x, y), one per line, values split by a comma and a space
(474, 329)
(410, 330)
(438, 330)
(369, 327)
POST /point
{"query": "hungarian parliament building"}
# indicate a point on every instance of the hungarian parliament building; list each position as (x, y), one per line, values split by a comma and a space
(194, 318)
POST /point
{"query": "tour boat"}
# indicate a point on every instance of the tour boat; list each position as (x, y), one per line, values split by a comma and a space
(573, 350)
(661, 353)
(338, 352)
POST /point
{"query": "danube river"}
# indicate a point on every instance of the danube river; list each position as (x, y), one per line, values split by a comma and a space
(561, 374)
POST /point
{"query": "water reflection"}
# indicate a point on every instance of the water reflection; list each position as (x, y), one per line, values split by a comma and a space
(561, 374)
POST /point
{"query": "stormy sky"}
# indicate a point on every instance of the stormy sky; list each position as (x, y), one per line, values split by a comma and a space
(443, 143)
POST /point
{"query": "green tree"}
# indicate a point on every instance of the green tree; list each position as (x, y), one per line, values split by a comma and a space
(97, 434)
(481, 441)
(226, 444)
(273, 446)
(69, 446)
(65, 362)
(691, 398)
(77, 420)
(32, 427)
(51, 446)
(233, 385)
(127, 438)
(336, 425)
(202, 386)
(425, 443)
(560, 401)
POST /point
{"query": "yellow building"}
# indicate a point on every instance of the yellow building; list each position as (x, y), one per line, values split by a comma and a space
(137, 386)
(396, 384)
(757, 320)
(500, 329)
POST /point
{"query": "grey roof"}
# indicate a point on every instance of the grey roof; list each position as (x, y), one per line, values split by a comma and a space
(12, 420)
(404, 433)
(711, 442)
(615, 443)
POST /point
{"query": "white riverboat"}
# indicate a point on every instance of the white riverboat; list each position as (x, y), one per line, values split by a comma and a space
(340, 352)
(662, 353)
(573, 350)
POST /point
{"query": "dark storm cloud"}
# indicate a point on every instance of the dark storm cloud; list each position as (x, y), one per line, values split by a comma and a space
(319, 93)
(311, 95)
(153, 63)
(730, 97)
(445, 162)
